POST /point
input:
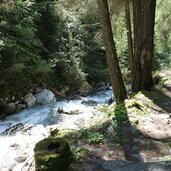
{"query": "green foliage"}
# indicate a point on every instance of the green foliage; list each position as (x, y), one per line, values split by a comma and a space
(45, 43)
(163, 35)
(19, 48)
(166, 158)
(162, 60)
(78, 152)
(85, 41)
(109, 110)
(95, 137)
(59, 43)
(120, 37)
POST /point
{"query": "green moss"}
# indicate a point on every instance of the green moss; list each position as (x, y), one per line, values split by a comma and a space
(52, 154)
(121, 114)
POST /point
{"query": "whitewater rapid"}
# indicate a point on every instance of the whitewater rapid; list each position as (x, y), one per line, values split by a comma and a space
(17, 148)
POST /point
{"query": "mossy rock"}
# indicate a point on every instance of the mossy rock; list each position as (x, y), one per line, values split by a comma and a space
(52, 154)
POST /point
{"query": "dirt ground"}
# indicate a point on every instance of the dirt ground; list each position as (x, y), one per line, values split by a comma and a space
(153, 140)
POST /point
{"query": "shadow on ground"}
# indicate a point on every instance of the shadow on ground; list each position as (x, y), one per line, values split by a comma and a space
(118, 165)
(162, 98)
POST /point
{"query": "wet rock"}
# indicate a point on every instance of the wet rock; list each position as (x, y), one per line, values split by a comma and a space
(60, 110)
(21, 159)
(20, 107)
(45, 97)
(89, 102)
(111, 100)
(15, 145)
(13, 129)
(74, 97)
(38, 90)
(9, 108)
(74, 112)
(30, 100)
(71, 112)
(2, 116)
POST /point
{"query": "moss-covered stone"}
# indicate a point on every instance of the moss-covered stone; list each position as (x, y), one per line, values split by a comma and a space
(52, 154)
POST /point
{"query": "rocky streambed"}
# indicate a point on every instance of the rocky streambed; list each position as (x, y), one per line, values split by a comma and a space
(21, 131)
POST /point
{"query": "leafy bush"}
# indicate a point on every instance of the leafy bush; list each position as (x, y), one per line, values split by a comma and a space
(95, 137)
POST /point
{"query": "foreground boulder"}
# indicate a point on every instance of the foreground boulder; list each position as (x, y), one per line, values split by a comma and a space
(52, 154)
(45, 97)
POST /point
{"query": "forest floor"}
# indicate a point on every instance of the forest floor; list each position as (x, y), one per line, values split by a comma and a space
(150, 116)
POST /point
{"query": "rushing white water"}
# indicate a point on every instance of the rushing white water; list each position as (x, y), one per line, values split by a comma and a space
(17, 148)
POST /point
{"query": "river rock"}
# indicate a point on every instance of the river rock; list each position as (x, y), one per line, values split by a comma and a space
(111, 100)
(10, 108)
(38, 90)
(30, 100)
(45, 97)
(71, 112)
(2, 116)
(20, 107)
(21, 158)
(89, 102)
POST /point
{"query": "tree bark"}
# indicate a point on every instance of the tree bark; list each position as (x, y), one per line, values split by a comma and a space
(144, 21)
(112, 59)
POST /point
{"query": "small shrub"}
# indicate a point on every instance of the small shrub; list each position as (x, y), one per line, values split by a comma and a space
(95, 137)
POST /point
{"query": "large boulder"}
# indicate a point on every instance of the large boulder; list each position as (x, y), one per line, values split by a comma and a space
(30, 100)
(52, 154)
(9, 108)
(45, 97)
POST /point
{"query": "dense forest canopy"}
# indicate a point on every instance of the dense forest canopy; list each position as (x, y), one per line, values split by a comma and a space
(58, 44)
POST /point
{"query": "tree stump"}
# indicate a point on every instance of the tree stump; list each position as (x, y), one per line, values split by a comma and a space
(52, 154)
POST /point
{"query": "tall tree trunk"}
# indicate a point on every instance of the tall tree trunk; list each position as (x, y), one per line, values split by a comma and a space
(112, 60)
(129, 37)
(144, 20)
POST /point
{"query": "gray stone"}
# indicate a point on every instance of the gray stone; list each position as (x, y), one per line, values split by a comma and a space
(30, 100)
(89, 102)
(21, 159)
(2, 116)
(110, 130)
(20, 107)
(140, 157)
(45, 97)
(38, 90)
(10, 108)
(170, 152)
